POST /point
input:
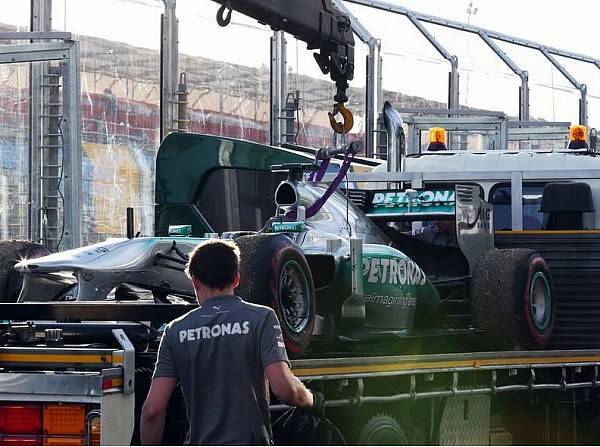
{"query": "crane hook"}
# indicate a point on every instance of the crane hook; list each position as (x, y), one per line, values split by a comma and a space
(348, 120)
(222, 19)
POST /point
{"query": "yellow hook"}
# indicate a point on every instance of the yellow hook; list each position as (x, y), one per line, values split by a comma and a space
(348, 120)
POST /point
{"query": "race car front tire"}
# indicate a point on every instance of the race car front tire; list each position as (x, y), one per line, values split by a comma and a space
(275, 273)
(512, 298)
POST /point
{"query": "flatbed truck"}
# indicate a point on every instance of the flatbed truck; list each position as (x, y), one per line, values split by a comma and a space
(80, 379)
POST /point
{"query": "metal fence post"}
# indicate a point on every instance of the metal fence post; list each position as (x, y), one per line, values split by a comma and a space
(278, 84)
(168, 67)
(374, 94)
(41, 21)
(454, 84)
(583, 105)
(524, 96)
(72, 154)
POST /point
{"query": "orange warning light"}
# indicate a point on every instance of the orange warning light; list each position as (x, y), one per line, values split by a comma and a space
(577, 137)
(437, 139)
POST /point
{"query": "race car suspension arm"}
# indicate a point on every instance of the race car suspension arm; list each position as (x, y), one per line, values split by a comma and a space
(322, 26)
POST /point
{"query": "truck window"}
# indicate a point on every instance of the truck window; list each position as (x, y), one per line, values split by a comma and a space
(238, 199)
(532, 198)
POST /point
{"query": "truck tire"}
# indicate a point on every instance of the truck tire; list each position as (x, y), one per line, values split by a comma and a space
(512, 298)
(298, 427)
(382, 429)
(10, 253)
(275, 273)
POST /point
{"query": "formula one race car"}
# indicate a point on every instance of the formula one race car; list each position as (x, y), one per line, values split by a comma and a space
(332, 268)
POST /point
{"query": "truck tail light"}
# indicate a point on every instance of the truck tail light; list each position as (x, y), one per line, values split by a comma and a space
(94, 429)
(20, 419)
(64, 419)
(48, 424)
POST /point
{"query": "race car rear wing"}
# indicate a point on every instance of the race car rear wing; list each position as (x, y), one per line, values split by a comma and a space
(463, 204)
(410, 204)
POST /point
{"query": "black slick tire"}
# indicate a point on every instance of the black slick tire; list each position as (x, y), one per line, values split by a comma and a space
(12, 252)
(512, 299)
(275, 273)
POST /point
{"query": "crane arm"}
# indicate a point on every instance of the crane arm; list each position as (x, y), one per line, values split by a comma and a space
(321, 25)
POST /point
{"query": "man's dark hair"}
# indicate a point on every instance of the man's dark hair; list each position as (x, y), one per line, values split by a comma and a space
(214, 263)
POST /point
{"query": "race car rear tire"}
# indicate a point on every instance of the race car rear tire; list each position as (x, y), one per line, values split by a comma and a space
(512, 299)
(10, 253)
(275, 273)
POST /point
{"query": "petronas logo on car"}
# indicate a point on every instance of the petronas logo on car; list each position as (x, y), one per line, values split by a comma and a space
(399, 199)
(393, 271)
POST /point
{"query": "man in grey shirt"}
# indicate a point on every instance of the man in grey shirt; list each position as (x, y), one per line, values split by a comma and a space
(222, 354)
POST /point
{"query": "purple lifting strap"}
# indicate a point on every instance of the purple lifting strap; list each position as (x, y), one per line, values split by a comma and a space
(315, 207)
(317, 176)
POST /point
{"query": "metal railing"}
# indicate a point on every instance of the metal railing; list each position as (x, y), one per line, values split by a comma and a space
(498, 372)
